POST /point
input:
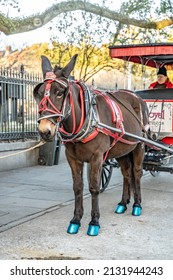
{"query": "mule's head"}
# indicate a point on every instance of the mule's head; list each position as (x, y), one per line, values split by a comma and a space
(51, 96)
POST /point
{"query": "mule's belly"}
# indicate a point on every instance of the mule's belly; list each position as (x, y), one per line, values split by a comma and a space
(84, 152)
(120, 150)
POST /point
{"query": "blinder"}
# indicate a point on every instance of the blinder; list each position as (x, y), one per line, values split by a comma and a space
(35, 92)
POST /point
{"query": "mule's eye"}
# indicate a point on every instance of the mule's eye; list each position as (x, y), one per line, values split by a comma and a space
(59, 94)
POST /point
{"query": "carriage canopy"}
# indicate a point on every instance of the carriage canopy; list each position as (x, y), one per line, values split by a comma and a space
(152, 55)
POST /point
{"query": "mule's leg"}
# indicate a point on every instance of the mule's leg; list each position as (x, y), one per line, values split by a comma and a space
(77, 174)
(94, 187)
(125, 165)
(138, 156)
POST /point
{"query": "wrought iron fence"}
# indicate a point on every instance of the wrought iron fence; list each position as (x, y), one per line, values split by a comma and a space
(18, 109)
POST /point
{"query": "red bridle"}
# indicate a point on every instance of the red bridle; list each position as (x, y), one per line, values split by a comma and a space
(60, 114)
(45, 101)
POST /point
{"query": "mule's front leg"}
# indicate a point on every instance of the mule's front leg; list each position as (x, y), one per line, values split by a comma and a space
(77, 174)
(94, 187)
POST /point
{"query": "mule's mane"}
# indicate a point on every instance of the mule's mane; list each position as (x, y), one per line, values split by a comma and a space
(57, 70)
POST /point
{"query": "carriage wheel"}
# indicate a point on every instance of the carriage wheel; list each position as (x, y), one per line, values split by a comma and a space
(155, 173)
(106, 174)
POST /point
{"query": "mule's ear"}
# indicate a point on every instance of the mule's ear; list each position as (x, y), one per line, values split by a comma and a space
(46, 65)
(70, 66)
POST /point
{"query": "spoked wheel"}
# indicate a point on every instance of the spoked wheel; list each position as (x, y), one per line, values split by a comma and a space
(106, 173)
(155, 173)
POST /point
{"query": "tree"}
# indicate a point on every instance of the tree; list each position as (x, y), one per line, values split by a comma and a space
(102, 26)
(86, 39)
(90, 35)
(137, 13)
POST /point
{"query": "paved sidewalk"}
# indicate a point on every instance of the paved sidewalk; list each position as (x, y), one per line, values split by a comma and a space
(28, 192)
(36, 205)
(31, 191)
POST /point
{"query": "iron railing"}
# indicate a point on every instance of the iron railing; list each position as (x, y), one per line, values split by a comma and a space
(18, 109)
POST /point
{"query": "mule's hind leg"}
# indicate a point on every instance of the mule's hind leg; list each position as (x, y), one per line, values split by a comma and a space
(138, 156)
(125, 165)
(77, 174)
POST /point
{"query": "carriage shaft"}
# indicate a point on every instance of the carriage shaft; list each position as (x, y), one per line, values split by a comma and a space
(143, 139)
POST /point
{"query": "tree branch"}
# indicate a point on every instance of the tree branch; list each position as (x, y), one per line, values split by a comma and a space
(25, 24)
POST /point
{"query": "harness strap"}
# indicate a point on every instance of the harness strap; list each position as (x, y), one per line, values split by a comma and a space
(133, 94)
(75, 130)
(115, 110)
(82, 108)
(91, 136)
(43, 106)
(116, 137)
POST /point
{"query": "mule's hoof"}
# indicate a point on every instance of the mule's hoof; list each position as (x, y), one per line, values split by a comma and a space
(93, 230)
(73, 228)
(136, 211)
(120, 209)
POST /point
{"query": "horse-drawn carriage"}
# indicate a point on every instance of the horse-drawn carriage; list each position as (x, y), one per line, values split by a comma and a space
(98, 127)
(160, 105)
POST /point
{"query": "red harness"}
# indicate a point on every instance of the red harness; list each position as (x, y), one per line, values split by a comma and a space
(117, 117)
(75, 130)
(46, 100)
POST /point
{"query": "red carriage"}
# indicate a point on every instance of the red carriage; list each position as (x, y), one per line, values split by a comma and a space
(159, 101)
(160, 105)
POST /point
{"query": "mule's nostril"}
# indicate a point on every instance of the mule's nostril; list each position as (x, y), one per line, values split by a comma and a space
(46, 135)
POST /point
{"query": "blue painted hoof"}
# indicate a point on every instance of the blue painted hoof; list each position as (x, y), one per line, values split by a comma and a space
(120, 209)
(136, 211)
(93, 230)
(73, 228)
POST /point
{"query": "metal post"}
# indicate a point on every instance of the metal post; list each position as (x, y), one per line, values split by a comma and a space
(22, 84)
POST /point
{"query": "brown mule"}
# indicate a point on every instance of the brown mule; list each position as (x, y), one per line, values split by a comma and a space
(75, 113)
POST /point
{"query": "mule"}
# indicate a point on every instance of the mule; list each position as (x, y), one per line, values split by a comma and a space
(76, 114)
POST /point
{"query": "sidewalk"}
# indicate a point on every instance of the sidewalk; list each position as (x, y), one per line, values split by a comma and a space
(36, 205)
(29, 192)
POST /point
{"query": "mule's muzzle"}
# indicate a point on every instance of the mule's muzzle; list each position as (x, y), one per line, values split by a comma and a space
(46, 135)
(47, 129)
